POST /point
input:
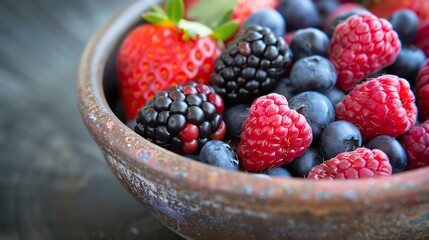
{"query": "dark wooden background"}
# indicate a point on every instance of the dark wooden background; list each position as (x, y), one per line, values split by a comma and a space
(54, 183)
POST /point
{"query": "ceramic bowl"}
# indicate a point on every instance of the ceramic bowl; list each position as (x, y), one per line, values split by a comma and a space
(203, 202)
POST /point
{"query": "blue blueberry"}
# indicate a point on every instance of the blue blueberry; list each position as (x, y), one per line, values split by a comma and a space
(326, 7)
(339, 136)
(336, 95)
(269, 18)
(283, 88)
(339, 19)
(407, 63)
(307, 42)
(316, 108)
(393, 149)
(313, 73)
(234, 117)
(299, 14)
(301, 166)
(279, 172)
(405, 22)
(219, 154)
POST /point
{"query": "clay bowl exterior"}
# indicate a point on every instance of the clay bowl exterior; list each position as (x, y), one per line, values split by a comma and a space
(203, 202)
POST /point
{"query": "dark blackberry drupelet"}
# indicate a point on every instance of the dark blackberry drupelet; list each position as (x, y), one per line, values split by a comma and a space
(250, 65)
(182, 118)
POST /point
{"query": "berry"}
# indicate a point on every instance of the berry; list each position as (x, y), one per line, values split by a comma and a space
(273, 134)
(326, 8)
(407, 63)
(251, 65)
(416, 145)
(422, 40)
(340, 18)
(279, 172)
(182, 118)
(405, 22)
(335, 94)
(283, 88)
(316, 108)
(219, 154)
(301, 166)
(360, 163)
(346, 7)
(245, 8)
(392, 148)
(269, 18)
(313, 73)
(299, 13)
(163, 53)
(234, 117)
(385, 8)
(307, 42)
(361, 45)
(339, 136)
(423, 90)
(381, 106)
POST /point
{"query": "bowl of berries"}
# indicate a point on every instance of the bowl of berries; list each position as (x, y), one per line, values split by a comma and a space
(292, 119)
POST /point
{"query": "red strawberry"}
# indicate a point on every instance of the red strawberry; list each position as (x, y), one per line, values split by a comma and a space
(164, 53)
(385, 8)
(384, 105)
(360, 163)
(244, 8)
(360, 46)
(416, 145)
(422, 37)
(273, 134)
(423, 91)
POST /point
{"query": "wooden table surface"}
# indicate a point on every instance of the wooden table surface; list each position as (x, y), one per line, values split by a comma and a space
(54, 183)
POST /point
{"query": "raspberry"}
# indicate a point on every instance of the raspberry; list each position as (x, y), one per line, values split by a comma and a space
(273, 134)
(416, 145)
(421, 40)
(423, 91)
(360, 46)
(251, 65)
(182, 118)
(360, 163)
(383, 105)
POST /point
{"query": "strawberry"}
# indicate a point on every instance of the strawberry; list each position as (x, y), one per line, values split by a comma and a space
(385, 8)
(165, 52)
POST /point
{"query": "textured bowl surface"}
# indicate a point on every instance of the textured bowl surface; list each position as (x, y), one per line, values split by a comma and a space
(202, 202)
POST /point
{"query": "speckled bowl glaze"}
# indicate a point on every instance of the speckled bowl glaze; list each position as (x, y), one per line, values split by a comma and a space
(203, 202)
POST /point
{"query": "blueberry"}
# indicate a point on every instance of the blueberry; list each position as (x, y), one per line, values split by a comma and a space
(326, 7)
(340, 18)
(405, 23)
(393, 149)
(299, 14)
(309, 41)
(313, 73)
(234, 117)
(279, 172)
(219, 154)
(283, 88)
(335, 94)
(407, 63)
(316, 108)
(339, 136)
(301, 166)
(269, 18)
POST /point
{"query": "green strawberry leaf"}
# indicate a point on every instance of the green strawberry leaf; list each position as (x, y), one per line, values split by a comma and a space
(210, 12)
(157, 9)
(226, 30)
(174, 9)
(155, 17)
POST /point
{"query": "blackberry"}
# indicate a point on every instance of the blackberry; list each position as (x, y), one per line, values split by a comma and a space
(250, 65)
(182, 118)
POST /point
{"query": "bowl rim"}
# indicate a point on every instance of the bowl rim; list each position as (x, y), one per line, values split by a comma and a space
(113, 136)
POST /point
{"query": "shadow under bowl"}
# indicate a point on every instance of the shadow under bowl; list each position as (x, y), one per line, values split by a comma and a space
(203, 202)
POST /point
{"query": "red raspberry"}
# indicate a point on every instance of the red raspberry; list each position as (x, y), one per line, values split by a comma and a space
(422, 39)
(362, 45)
(273, 134)
(416, 145)
(423, 91)
(360, 163)
(384, 105)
